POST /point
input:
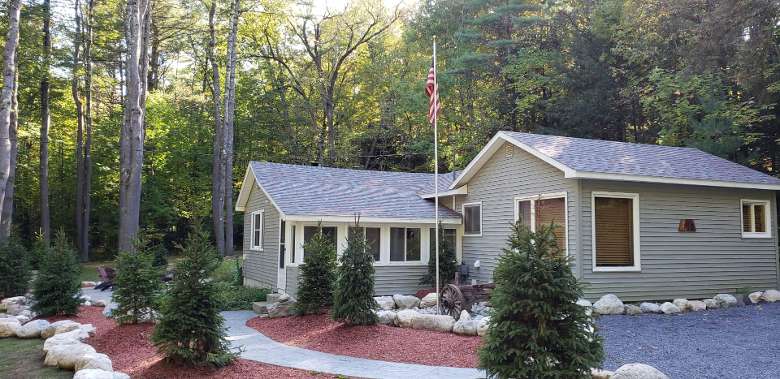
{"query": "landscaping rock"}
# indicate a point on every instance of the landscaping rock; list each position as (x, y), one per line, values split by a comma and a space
(9, 327)
(385, 302)
(638, 371)
(464, 316)
(32, 329)
(669, 308)
(65, 356)
(650, 308)
(600, 374)
(92, 373)
(404, 318)
(68, 338)
(755, 297)
(609, 304)
(406, 302)
(59, 327)
(481, 308)
(482, 326)
(771, 296)
(281, 309)
(711, 303)
(94, 361)
(633, 310)
(88, 283)
(697, 306)
(725, 300)
(23, 319)
(100, 303)
(439, 323)
(465, 327)
(682, 304)
(584, 303)
(429, 300)
(386, 317)
(18, 300)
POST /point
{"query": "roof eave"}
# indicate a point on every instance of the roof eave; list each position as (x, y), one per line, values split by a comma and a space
(663, 180)
(463, 190)
(375, 220)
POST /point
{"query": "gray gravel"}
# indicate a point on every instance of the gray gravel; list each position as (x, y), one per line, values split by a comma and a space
(741, 342)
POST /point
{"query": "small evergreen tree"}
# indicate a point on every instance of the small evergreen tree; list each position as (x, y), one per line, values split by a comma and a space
(38, 251)
(448, 263)
(191, 330)
(14, 269)
(536, 328)
(353, 299)
(56, 288)
(137, 285)
(317, 275)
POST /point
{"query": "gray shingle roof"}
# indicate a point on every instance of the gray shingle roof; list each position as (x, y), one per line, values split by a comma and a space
(326, 191)
(610, 157)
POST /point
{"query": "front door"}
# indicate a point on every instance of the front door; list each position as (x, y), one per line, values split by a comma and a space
(281, 276)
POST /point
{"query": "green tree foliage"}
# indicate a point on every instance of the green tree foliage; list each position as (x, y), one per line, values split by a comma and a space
(448, 263)
(317, 275)
(353, 298)
(14, 269)
(536, 329)
(56, 288)
(137, 285)
(191, 331)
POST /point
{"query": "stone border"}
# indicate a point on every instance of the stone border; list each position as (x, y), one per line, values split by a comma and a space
(610, 304)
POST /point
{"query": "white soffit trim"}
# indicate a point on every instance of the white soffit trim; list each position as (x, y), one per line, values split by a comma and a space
(464, 190)
(246, 189)
(375, 220)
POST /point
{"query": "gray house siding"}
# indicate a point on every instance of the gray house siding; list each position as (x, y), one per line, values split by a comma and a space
(714, 259)
(260, 267)
(388, 280)
(502, 178)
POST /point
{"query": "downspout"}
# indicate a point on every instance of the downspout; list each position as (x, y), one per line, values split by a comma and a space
(578, 249)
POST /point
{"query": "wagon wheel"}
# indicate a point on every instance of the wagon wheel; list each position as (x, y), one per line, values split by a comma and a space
(452, 300)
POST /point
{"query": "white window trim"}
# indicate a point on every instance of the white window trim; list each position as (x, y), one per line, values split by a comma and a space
(546, 196)
(463, 212)
(252, 245)
(767, 219)
(637, 256)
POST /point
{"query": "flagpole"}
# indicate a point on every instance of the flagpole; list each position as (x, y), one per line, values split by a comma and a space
(436, 170)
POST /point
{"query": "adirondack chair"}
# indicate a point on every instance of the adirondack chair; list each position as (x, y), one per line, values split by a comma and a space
(107, 275)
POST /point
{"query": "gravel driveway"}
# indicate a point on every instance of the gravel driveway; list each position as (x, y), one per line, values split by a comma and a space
(739, 342)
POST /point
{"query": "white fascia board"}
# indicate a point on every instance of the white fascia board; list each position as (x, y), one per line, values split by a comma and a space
(246, 188)
(374, 220)
(656, 179)
(463, 190)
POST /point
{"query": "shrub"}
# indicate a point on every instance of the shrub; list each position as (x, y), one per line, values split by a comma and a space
(191, 330)
(137, 285)
(448, 263)
(38, 251)
(56, 288)
(317, 275)
(353, 300)
(536, 328)
(14, 269)
(231, 297)
(160, 256)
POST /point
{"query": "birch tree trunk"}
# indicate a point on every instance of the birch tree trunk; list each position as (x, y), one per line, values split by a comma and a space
(76, 94)
(131, 140)
(87, 165)
(45, 120)
(7, 102)
(6, 218)
(218, 162)
(230, 110)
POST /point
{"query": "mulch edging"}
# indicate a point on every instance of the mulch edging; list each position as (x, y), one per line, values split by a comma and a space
(381, 342)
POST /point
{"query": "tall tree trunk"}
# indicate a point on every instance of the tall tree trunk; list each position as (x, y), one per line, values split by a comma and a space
(7, 99)
(76, 94)
(6, 218)
(87, 165)
(45, 119)
(218, 163)
(131, 138)
(330, 125)
(230, 110)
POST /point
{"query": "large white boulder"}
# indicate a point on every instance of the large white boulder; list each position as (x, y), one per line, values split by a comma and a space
(650, 308)
(464, 316)
(682, 304)
(669, 308)
(281, 309)
(429, 300)
(755, 297)
(600, 374)
(633, 310)
(725, 300)
(92, 373)
(638, 371)
(697, 305)
(609, 304)
(65, 356)
(58, 327)
(405, 301)
(771, 296)
(711, 303)
(404, 318)
(94, 361)
(18, 300)
(584, 303)
(439, 323)
(482, 326)
(68, 338)
(9, 327)
(466, 327)
(385, 302)
(32, 329)
(385, 317)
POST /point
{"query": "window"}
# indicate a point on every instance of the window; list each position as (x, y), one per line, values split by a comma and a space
(544, 210)
(282, 246)
(472, 219)
(257, 231)
(616, 232)
(755, 219)
(310, 231)
(404, 244)
(447, 235)
(372, 239)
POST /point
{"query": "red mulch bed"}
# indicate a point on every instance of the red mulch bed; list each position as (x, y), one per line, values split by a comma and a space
(387, 343)
(132, 353)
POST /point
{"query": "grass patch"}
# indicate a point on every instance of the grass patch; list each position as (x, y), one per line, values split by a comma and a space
(23, 359)
(237, 298)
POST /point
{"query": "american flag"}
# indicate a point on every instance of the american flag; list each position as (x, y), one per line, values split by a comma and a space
(432, 90)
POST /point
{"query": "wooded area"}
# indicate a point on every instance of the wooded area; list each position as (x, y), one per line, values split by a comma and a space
(123, 116)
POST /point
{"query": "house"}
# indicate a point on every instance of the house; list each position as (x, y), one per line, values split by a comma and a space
(645, 222)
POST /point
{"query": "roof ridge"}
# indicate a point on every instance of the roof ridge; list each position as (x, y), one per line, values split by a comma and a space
(607, 141)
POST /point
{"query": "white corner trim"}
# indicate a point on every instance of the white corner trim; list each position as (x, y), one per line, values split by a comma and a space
(545, 196)
(767, 219)
(637, 251)
(246, 189)
(463, 212)
(252, 229)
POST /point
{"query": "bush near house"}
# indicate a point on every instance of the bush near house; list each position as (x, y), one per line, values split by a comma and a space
(137, 284)
(536, 328)
(353, 300)
(317, 276)
(56, 288)
(14, 269)
(448, 263)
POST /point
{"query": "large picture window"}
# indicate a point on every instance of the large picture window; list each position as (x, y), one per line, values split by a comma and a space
(755, 219)
(472, 219)
(404, 244)
(616, 232)
(256, 242)
(372, 239)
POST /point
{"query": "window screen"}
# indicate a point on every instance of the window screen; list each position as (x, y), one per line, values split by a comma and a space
(614, 231)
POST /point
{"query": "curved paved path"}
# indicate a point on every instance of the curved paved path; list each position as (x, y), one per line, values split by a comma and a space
(260, 348)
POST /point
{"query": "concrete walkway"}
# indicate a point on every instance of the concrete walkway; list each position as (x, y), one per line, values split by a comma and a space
(260, 348)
